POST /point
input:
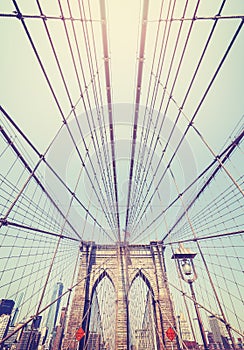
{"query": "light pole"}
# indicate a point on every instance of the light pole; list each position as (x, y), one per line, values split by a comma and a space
(180, 333)
(185, 265)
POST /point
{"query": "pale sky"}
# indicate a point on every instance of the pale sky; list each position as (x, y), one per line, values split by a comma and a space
(26, 97)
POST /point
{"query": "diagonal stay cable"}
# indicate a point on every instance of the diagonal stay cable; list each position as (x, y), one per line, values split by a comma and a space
(61, 112)
(197, 108)
(203, 238)
(172, 88)
(65, 120)
(36, 229)
(175, 80)
(154, 97)
(157, 81)
(219, 167)
(204, 308)
(22, 325)
(32, 175)
(70, 100)
(42, 16)
(53, 171)
(140, 169)
(57, 248)
(194, 233)
(102, 161)
(225, 157)
(104, 166)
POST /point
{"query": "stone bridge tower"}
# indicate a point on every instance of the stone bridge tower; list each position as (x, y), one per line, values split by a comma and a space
(122, 264)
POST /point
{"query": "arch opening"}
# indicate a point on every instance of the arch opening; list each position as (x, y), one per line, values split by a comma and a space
(142, 318)
(101, 325)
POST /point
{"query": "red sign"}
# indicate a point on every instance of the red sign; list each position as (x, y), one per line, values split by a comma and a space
(170, 333)
(79, 334)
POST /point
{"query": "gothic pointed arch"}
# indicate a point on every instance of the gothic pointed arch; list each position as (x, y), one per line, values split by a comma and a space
(142, 312)
(100, 329)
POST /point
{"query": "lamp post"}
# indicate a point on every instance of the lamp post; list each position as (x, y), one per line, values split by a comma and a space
(180, 333)
(185, 265)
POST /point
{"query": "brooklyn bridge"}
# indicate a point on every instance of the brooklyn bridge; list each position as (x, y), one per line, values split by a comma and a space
(121, 174)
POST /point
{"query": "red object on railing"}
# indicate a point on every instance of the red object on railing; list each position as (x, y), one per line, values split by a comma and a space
(79, 334)
(170, 333)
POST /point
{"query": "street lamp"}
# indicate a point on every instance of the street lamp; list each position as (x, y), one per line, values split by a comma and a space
(180, 333)
(186, 268)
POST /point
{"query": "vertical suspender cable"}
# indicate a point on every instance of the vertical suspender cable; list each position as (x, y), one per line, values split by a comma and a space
(109, 101)
(137, 103)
